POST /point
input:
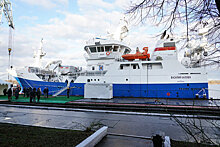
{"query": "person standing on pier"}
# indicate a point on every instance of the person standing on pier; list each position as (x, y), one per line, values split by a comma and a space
(34, 95)
(5, 91)
(9, 94)
(31, 94)
(38, 94)
(68, 92)
(17, 93)
(47, 91)
(28, 91)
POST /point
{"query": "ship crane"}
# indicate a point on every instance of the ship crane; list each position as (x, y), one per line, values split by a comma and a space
(6, 8)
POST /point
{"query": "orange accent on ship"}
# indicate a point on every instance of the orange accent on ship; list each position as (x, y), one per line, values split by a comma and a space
(138, 55)
(108, 53)
(165, 48)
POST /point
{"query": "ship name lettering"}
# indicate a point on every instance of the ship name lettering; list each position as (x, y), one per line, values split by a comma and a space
(180, 77)
(186, 77)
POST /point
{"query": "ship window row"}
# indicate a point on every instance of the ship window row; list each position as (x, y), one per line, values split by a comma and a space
(195, 73)
(90, 80)
(144, 65)
(183, 88)
(152, 66)
(183, 73)
(189, 73)
(188, 88)
(128, 66)
(195, 88)
(104, 49)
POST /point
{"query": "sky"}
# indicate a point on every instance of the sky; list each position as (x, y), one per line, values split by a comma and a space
(65, 26)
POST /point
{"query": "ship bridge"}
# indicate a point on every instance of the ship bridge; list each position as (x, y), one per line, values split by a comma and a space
(106, 51)
(101, 53)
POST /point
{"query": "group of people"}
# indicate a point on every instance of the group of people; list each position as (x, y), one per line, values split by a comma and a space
(28, 92)
(10, 91)
(33, 93)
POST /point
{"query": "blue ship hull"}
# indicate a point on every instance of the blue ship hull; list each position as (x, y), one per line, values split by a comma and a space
(127, 90)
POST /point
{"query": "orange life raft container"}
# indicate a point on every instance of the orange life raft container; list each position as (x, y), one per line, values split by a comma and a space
(138, 55)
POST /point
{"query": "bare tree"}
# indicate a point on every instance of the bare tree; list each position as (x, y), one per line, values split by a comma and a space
(194, 14)
(197, 131)
(171, 12)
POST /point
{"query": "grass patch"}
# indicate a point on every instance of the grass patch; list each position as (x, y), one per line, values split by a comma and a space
(59, 99)
(19, 135)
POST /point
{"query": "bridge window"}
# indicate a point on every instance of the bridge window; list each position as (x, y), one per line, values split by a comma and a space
(92, 49)
(108, 48)
(100, 49)
(126, 51)
(115, 49)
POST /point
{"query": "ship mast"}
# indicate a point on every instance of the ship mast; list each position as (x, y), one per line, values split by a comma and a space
(38, 55)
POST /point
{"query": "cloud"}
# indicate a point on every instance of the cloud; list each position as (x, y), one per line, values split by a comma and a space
(46, 3)
(28, 18)
(88, 5)
(65, 37)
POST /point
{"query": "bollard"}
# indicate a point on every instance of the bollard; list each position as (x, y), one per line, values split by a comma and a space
(157, 141)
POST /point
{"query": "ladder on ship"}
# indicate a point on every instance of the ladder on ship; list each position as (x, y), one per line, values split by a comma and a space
(61, 90)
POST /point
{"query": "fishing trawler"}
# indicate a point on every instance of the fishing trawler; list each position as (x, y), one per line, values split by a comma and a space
(156, 75)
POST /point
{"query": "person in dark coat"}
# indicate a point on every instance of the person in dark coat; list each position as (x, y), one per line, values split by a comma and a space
(68, 92)
(28, 90)
(34, 95)
(31, 94)
(24, 91)
(38, 94)
(17, 93)
(9, 94)
(47, 92)
(5, 91)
